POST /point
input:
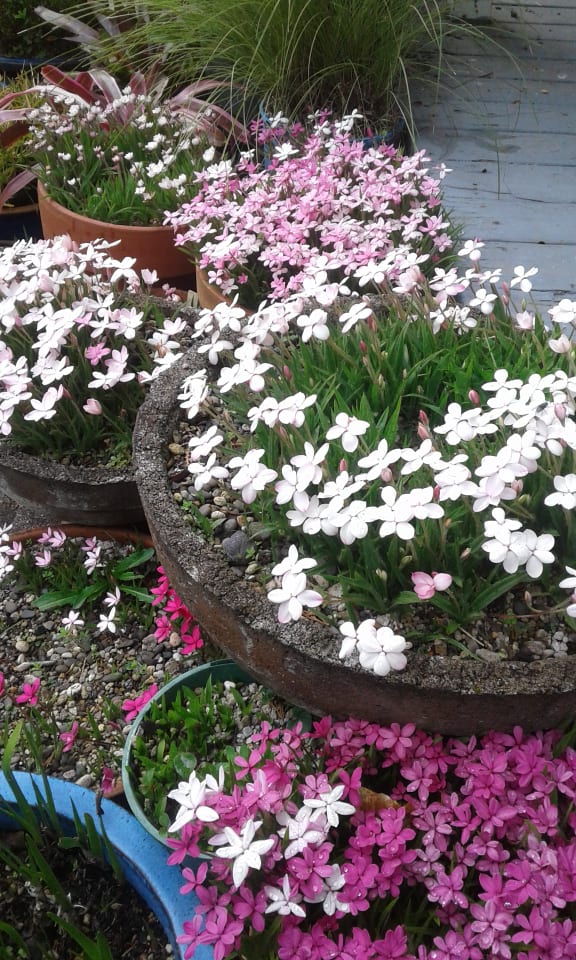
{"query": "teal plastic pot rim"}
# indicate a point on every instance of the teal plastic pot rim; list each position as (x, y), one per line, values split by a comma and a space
(219, 670)
(142, 858)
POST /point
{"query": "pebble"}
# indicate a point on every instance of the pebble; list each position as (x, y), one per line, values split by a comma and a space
(22, 646)
(236, 546)
(489, 656)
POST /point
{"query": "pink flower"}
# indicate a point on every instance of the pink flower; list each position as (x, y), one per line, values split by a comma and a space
(1, 683)
(108, 780)
(133, 707)
(425, 586)
(92, 407)
(68, 737)
(29, 692)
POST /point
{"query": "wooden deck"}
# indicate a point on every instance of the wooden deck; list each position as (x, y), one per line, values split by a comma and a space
(504, 121)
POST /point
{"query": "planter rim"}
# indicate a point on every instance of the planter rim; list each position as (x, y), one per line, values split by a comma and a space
(82, 495)
(125, 228)
(143, 859)
(195, 677)
(447, 694)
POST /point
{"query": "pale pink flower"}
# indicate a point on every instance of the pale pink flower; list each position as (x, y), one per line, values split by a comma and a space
(426, 585)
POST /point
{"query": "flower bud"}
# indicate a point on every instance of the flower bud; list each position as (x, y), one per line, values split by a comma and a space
(386, 475)
(287, 372)
(342, 466)
(505, 295)
(517, 486)
(363, 347)
(422, 432)
(93, 407)
(474, 397)
(560, 411)
(423, 417)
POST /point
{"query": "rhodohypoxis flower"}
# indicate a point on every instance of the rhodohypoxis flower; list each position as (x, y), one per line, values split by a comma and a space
(68, 737)
(29, 693)
(330, 805)
(241, 847)
(190, 795)
(426, 585)
(133, 707)
(292, 596)
(283, 901)
(380, 649)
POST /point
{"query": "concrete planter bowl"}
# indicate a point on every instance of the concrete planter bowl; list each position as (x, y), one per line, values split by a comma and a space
(86, 495)
(143, 859)
(299, 661)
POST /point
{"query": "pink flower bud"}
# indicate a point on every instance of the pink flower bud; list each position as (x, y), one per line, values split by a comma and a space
(423, 417)
(363, 347)
(386, 475)
(342, 466)
(560, 411)
(93, 407)
(423, 432)
(505, 296)
(517, 486)
(287, 373)
(474, 398)
(436, 494)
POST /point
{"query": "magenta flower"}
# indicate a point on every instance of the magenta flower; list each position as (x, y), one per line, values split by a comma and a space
(133, 707)
(425, 586)
(29, 692)
(107, 780)
(1, 683)
(68, 737)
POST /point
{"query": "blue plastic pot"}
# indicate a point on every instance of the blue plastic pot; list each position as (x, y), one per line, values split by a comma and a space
(142, 858)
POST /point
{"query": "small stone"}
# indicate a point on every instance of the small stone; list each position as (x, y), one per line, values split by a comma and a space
(205, 510)
(236, 546)
(74, 690)
(252, 568)
(230, 526)
(176, 449)
(220, 500)
(218, 515)
(22, 646)
(532, 650)
(488, 656)
(86, 780)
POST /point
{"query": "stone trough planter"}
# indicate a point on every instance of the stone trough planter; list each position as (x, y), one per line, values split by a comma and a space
(300, 661)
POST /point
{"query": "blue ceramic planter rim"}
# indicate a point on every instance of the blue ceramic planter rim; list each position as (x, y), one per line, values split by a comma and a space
(224, 669)
(142, 858)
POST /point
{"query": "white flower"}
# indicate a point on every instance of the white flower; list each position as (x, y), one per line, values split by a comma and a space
(309, 464)
(539, 550)
(564, 312)
(380, 650)
(330, 806)
(107, 621)
(301, 832)
(205, 473)
(561, 345)
(293, 595)
(252, 475)
(292, 563)
(282, 901)
(395, 514)
(565, 494)
(347, 429)
(569, 583)
(521, 280)
(246, 852)
(44, 409)
(314, 325)
(190, 795)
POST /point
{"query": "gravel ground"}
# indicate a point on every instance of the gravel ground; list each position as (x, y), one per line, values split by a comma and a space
(86, 680)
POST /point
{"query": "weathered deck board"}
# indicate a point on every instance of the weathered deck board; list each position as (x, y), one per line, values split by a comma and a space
(504, 120)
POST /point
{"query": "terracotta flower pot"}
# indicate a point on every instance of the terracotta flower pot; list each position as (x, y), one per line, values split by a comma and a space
(153, 247)
(210, 296)
(87, 495)
(451, 695)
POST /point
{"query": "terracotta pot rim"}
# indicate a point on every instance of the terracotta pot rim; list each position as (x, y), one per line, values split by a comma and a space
(306, 642)
(45, 197)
